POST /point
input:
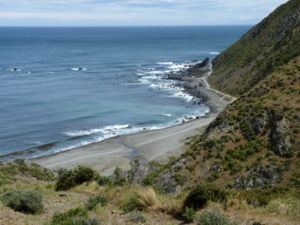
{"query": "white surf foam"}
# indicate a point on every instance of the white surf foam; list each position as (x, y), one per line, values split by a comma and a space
(166, 114)
(15, 70)
(79, 69)
(214, 53)
(165, 63)
(95, 131)
(155, 78)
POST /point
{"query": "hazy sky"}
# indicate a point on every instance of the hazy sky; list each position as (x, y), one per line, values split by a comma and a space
(133, 12)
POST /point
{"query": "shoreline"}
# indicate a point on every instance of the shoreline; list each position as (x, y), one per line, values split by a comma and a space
(158, 145)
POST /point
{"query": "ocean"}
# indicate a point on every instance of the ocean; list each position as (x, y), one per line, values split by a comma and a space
(62, 88)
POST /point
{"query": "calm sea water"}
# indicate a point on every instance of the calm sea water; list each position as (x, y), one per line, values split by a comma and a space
(74, 86)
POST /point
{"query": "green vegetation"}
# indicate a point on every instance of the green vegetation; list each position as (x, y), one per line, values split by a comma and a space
(130, 203)
(136, 217)
(29, 202)
(96, 200)
(189, 214)
(20, 166)
(77, 216)
(262, 197)
(259, 52)
(213, 217)
(70, 178)
(200, 195)
(102, 180)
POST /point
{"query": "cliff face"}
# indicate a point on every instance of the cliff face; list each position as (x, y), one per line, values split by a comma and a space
(254, 142)
(267, 46)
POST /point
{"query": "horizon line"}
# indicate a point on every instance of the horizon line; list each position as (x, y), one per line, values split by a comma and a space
(103, 26)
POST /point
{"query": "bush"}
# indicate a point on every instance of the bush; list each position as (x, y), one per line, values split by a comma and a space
(199, 197)
(29, 202)
(213, 217)
(119, 180)
(189, 214)
(148, 180)
(70, 178)
(95, 200)
(131, 203)
(101, 180)
(136, 217)
(77, 216)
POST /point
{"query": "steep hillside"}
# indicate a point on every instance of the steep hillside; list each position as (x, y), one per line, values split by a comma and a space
(270, 44)
(255, 142)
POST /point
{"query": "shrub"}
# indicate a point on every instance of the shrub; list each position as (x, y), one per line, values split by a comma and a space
(101, 180)
(136, 217)
(189, 214)
(95, 200)
(213, 217)
(148, 180)
(130, 203)
(118, 179)
(200, 195)
(77, 216)
(29, 202)
(70, 178)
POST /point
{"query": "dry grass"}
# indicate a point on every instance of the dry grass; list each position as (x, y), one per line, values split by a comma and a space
(148, 199)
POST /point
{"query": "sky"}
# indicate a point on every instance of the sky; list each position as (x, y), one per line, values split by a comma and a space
(134, 12)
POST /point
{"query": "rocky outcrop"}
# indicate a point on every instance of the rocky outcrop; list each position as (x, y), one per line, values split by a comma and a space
(260, 123)
(260, 177)
(280, 138)
(167, 179)
(167, 182)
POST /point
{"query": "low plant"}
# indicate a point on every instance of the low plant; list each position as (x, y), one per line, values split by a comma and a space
(189, 214)
(213, 217)
(119, 180)
(29, 202)
(201, 194)
(136, 217)
(102, 180)
(96, 200)
(77, 216)
(130, 203)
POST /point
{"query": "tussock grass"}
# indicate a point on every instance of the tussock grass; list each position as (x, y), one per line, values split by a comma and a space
(148, 199)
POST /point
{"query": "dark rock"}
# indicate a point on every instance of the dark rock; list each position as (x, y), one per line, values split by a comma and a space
(280, 138)
(204, 63)
(260, 177)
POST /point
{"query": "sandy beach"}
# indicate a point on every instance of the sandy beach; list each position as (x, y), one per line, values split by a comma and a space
(157, 145)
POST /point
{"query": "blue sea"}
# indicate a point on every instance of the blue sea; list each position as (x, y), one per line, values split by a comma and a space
(62, 88)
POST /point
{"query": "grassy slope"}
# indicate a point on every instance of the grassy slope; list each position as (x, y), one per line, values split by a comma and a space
(230, 148)
(263, 68)
(270, 44)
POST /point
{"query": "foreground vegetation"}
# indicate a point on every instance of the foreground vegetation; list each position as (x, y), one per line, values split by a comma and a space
(118, 201)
